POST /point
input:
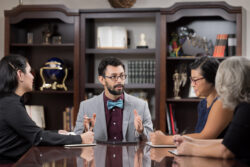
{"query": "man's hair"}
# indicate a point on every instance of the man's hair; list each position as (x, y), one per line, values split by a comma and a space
(208, 67)
(233, 81)
(9, 65)
(112, 61)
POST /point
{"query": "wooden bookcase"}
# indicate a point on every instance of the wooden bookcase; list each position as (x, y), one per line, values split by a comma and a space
(204, 17)
(136, 21)
(207, 19)
(36, 18)
(78, 49)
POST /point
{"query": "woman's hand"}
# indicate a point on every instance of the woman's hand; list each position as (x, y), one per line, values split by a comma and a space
(178, 139)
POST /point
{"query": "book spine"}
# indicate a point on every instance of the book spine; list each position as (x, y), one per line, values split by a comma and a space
(172, 118)
(64, 121)
(129, 72)
(168, 121)
(216, 45)
(72, 119)
(231, 43)
(221, 47)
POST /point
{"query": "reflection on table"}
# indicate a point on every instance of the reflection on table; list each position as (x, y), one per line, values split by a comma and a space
(107, 155)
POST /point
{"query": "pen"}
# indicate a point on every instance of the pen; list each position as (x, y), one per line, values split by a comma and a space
(183, 132)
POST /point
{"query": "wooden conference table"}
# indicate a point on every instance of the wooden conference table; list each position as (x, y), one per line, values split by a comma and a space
(122, 155)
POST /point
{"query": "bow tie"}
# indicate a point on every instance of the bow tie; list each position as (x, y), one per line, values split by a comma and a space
(118, 103)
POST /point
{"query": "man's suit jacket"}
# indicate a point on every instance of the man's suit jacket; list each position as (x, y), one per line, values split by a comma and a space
(96, 105)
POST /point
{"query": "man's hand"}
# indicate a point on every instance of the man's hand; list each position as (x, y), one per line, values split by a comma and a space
(138, 122)
(89, 123)
(87, 138)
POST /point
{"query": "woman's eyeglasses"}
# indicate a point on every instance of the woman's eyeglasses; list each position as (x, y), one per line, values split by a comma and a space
(195, 80)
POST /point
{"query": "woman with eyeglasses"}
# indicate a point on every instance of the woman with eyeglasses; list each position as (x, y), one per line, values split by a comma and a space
(18, 132)
(213, 119)
(233, 86)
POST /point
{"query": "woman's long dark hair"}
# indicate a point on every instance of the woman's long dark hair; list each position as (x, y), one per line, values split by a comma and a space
(9, 65)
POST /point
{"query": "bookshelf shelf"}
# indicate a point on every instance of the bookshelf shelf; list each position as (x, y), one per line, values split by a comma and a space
(42, 45)
(127, 86)
(183, 100)
(189, 58)
(51, 92)
(120, 51)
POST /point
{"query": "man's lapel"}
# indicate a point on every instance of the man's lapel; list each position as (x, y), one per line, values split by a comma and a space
(101, 117)
(126, 115)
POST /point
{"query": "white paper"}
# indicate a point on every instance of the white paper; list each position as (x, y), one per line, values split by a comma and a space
(161, 146)
(111, 37)
(173, 151)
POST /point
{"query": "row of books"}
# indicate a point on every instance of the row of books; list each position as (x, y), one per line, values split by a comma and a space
(36, 113)
(171, 121)
(225, 45)
(68, 119)
(141, 71)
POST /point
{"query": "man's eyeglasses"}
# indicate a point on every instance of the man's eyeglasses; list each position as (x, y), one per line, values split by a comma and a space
(195, 80)
(115, 78)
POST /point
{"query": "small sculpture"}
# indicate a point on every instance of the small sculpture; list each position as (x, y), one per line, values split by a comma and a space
(180, 80)
(46, 35)
(177, 83)
(142, 43)
(175, 47)
(56, 36)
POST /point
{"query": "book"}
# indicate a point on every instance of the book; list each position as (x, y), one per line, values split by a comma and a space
(168, 121)
(111, 37)
(141, 71)
(231, 45)
(68, 119)
(220, 45)
(36, 113)
(191, 92)
(173, 124)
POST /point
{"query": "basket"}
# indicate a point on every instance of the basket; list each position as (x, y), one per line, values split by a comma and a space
(122, 3)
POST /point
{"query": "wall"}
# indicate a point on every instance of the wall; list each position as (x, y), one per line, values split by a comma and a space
(90, 4)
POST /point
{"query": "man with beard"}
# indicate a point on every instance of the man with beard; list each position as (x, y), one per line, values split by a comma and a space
(114, 115)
